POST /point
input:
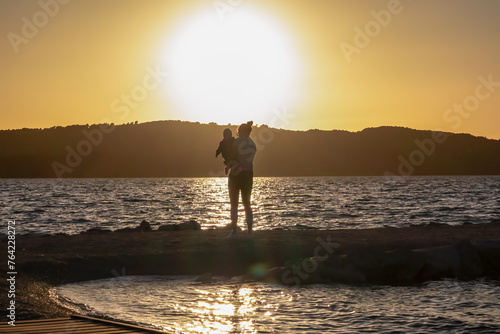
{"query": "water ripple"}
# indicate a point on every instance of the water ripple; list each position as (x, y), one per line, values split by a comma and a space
(46, 205)
(229, 306)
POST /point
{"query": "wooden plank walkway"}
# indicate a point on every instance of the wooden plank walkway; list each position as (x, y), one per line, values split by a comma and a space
(75, 324)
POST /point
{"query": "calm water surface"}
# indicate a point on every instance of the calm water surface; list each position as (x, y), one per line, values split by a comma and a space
(229, 306)
(75, 205)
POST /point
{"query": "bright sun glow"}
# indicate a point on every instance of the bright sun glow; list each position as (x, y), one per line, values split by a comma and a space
(231, 70)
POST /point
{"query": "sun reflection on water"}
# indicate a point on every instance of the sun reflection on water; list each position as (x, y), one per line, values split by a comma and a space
(224, 311)
(216, 205)
(217, 200)
(181, 305)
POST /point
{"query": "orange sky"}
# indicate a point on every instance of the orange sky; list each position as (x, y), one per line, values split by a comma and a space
(293, 64)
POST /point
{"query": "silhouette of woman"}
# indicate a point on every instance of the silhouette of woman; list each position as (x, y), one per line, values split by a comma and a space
(241, 177)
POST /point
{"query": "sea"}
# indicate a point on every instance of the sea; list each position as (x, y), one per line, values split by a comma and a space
(180, 304)
(71, 206)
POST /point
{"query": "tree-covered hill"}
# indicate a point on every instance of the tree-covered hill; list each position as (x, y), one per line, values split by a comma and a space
(183, 149)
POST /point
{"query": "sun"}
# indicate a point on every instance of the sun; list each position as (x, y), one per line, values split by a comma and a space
(231, 70)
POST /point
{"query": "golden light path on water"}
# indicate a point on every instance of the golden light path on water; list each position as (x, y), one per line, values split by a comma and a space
(224, 311)
(216, 189)
(217, 203)
(219, 313)
(180, 304)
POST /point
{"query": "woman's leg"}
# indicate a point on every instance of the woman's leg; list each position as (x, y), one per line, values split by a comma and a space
(234, 193)
(246, 194)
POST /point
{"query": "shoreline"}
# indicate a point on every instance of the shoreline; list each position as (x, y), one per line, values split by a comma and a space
(46, 261)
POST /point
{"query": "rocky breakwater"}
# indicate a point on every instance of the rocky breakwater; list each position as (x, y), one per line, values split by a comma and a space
(364, 264)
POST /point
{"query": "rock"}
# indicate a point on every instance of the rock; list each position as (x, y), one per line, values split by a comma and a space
(301, 271)
(408, 266)
(296, 276)
(333, 260)
(399, 266)
(440, 262)
(489, 252)
(183, 226)
(471, 265)
(95, 230)
(346, 274)
(336, 268)
(361, 264)
(365, 258)
(168, 227)
(144, 227)
(190, 225)
(205, 278)
(395, 266)
(127, 229)
(461, 260)
(228, 227)
(396, 257)
(310, 267)
(274, 275)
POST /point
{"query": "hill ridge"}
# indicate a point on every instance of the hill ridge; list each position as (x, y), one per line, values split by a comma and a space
(175, 148)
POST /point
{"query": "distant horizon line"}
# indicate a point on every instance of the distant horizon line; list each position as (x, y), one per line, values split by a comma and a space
(255, 125)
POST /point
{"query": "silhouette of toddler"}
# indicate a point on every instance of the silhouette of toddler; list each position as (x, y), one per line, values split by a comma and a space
(225, 147)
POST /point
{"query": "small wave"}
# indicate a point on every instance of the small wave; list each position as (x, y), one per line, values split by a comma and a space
(313, 201)
(450, 208)
(61, 195)
(78, 308)
(289, 214)
(350, 223)
(133, 200)
(348, 215)
(79, 220)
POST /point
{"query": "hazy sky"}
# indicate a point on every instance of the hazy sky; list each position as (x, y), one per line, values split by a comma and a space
(324, 64)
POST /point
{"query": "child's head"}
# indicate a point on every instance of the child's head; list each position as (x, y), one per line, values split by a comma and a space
(227, 133)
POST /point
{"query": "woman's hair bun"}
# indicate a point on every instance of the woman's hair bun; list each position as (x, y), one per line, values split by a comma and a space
(245, 128)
